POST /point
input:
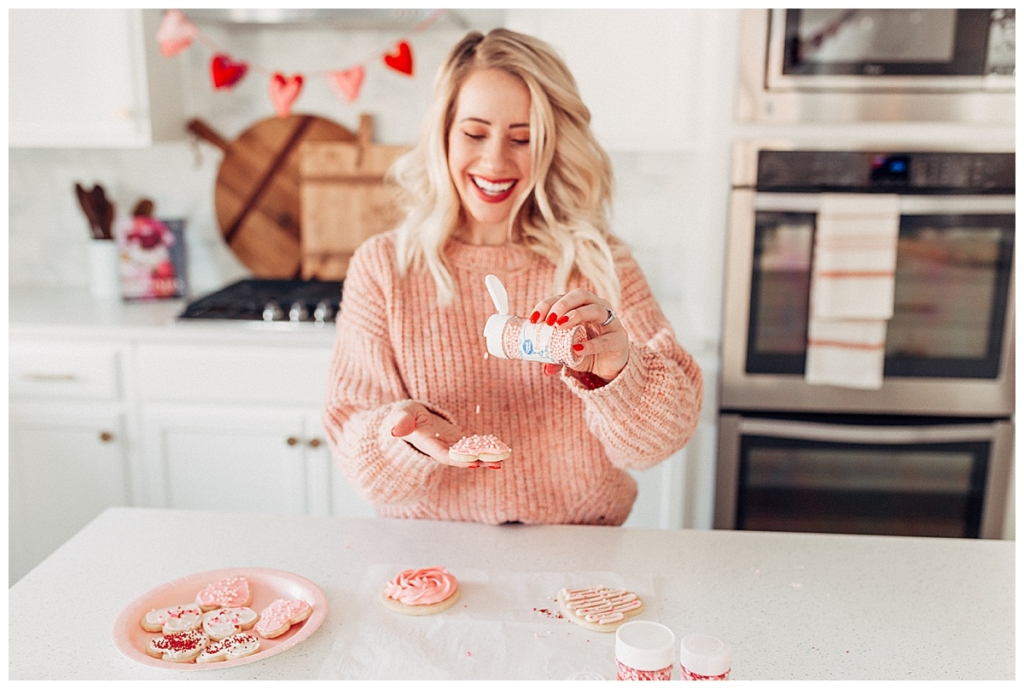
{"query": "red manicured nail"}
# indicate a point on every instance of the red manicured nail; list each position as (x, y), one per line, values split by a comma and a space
(577, 347)
(563, 319)
(552, 318)
(535, 316)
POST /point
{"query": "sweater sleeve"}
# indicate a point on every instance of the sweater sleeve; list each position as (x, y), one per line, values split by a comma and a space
(364, 386)
(650, 410)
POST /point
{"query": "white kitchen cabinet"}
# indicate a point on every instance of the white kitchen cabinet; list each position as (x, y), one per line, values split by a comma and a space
(91, 78)
(69, 443)
(217, 416)
(637, 71)
(227, 458)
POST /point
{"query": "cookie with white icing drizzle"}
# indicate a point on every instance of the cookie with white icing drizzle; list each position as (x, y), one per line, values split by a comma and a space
(599, 608)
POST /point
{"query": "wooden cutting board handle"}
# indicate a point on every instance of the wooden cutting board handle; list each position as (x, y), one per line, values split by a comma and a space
(206, 133)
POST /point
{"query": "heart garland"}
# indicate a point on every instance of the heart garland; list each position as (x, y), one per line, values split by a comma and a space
(225, 71)
(348, 82)
(176, 33)
(401, 59)
(284, 91)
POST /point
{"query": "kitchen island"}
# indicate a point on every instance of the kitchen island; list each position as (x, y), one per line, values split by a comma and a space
(792, 606)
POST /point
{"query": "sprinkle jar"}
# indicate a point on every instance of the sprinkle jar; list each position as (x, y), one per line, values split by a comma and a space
(513, 337)
(644, 651)
(704, 657)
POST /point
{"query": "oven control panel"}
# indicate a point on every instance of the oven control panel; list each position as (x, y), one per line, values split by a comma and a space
(911, 172)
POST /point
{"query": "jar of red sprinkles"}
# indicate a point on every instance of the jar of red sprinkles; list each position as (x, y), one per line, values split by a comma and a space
(514, 337)
(704, 657)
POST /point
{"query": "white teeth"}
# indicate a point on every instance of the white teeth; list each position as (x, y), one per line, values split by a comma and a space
(489, 188)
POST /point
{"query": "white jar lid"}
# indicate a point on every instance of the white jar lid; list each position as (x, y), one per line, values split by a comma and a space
(644, 645)
(703, 654)
(494, 330)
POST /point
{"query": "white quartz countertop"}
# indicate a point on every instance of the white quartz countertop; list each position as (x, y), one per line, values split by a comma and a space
(54, 312)
(792, 606)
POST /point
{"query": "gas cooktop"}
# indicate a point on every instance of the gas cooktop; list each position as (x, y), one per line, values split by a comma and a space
(258, 299)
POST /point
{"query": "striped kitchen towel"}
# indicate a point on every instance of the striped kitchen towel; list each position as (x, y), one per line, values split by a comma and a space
(852, 289)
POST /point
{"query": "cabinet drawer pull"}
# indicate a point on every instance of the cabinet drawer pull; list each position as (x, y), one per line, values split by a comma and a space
(292, 440)
(50, 377)
(106, 436)
(315, 442)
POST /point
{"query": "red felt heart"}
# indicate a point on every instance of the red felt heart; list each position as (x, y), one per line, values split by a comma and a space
(401, 59)
(226, 72)
(284, 91)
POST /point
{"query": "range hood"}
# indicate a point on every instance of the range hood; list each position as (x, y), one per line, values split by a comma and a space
(367, 18)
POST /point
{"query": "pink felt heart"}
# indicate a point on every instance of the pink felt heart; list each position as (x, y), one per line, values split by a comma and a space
(284, 91)
(175, 33)
(401, 59)
(226, 72)
(348, 82)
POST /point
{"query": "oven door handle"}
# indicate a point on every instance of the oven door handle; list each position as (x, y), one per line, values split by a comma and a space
(841, 433)
(908, 204)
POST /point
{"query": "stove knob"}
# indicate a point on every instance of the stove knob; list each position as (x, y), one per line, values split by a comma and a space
(298, 312)
(323, 311)
(273, 312)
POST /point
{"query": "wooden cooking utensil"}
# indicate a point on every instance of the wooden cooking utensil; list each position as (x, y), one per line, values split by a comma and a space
(85, 202)
(257, 189)
(344, 200)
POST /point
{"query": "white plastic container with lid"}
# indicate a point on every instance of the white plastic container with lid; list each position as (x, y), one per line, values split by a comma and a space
(704, 657)
(644, 651)
(513, 337)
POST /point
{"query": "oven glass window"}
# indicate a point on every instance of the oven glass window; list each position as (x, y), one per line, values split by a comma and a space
(903, 490)
(886, 42)
(780, 292)
(951, 295)
(952, 285)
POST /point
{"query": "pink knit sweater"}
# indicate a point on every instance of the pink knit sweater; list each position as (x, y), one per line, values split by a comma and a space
(570, 445)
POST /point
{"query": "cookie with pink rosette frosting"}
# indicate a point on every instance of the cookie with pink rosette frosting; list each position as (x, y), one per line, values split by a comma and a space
(421, 591)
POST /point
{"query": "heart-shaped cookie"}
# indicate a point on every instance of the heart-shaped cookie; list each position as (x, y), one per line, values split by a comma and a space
(348, 82)
(180, 647)
(599, 608)
(175, 618)
(279, 616)
(401, 59)
(223, 622)
(232, 647)
(175, 33)
(225, 71)
(284, 91)
(229, 592)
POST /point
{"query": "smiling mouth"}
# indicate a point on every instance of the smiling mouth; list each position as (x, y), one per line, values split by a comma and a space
(492, 189)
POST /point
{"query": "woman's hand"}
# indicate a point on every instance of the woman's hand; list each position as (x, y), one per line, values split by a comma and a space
(423, 429)
(606, 352)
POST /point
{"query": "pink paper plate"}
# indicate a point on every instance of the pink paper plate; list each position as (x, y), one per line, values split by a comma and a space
(266, 585)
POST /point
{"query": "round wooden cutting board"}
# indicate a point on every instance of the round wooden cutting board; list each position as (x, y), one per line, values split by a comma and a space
(257, 189)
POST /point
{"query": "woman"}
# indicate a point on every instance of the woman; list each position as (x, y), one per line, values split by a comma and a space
(508, 179)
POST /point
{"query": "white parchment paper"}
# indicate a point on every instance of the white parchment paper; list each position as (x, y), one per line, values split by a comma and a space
(505, 626)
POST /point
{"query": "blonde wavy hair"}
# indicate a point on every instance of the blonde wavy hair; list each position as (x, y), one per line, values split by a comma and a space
(563, 213)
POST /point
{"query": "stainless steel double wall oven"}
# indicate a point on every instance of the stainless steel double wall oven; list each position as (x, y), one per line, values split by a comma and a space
(928, 453)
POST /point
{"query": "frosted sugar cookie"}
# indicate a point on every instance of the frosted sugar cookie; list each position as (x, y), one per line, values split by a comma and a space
(229, 648)
(229, 592)
(279, 616)
(179, 647)
(421, 591)
(176, 618)
(223, 622)
(599, 608)
(484, 450)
